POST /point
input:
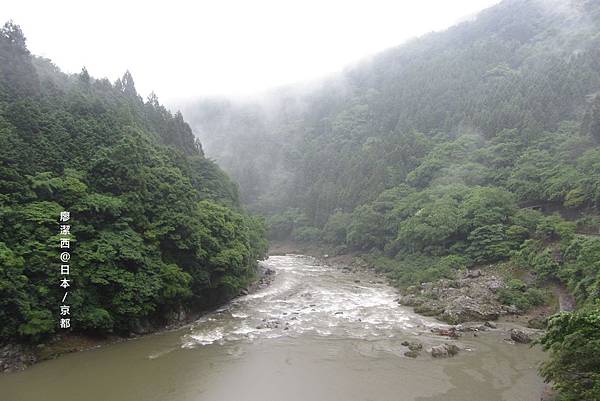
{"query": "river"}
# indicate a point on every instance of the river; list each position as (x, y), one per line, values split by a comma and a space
(316, 333)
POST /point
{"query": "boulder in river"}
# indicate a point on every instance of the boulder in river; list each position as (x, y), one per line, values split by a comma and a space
(444, 350)
(471, 327)
(415, 346)
(412, 354)
(270, 324)
(410, 300)
(447, 332)
(431, 308)
(519, 336)
(491, 325)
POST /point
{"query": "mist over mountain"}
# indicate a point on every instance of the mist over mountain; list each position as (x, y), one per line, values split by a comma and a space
(523, 65)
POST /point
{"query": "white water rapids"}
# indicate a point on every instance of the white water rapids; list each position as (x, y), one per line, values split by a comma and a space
(307, 297)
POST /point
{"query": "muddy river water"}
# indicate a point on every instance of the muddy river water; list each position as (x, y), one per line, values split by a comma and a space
(316, 333)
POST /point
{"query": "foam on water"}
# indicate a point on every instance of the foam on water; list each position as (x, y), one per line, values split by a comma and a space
(308, 298)
(204, 338)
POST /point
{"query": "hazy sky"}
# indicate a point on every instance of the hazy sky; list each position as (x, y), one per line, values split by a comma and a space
(193, 48)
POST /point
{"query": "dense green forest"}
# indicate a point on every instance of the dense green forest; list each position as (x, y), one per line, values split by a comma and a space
(474, 146)
(156, 228)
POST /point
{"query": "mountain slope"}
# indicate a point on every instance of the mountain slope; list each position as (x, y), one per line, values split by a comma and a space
(156, 228)
(525, 65)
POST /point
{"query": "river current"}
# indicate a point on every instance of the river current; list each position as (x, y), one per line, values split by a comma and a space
(317, 333)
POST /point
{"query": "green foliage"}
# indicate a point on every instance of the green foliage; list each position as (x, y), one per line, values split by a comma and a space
(156, 227)
(283, 225)
(581, 268)
(336, 229)
(292, 224)
(366, 229)
(436, 224)
(573, 340)
(522, 296)
(307, 234)
(38, 323)
(97, 319)
(413, 269)
(554, 228)
(14, 299)
(588, 224)
(489, 243)
(439, 221)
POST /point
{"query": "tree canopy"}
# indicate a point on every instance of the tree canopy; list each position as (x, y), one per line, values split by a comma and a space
(156, 226)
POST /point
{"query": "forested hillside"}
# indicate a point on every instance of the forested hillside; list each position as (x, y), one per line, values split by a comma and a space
(156, 228)
(451, 151)
(529, 66)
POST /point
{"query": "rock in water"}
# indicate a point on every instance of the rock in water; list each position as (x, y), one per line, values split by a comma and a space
(519, 336)
(415, 346)
(412, 354)
(491, 325)
(449, 332)
(410, 300)
(444, 350)
(452, 349)
(439, 351)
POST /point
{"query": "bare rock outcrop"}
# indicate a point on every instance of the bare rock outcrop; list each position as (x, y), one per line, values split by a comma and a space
(471, 297)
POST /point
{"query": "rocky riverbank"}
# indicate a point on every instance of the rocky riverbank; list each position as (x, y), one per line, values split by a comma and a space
(449, 341)
(472, 296)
